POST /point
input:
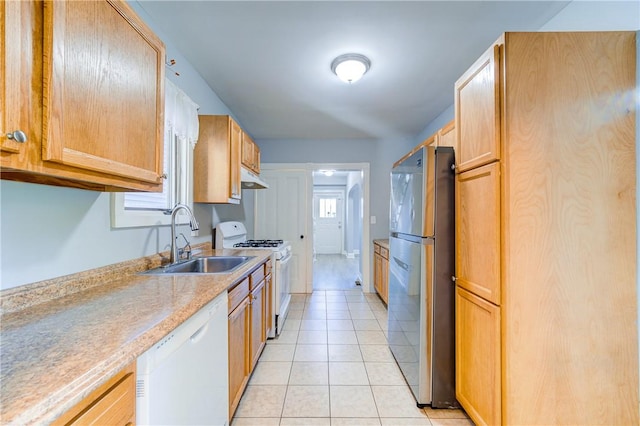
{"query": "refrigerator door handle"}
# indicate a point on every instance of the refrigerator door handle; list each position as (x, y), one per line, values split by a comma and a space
(401, 264)
(413, 238)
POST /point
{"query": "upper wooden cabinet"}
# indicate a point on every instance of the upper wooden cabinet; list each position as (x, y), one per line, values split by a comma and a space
(447, 135)
(477, 110)
(84, 82)
(250, 154)
(216, 166)
(545, 240)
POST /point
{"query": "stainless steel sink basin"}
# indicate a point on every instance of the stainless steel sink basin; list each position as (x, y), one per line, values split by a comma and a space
(203, 265)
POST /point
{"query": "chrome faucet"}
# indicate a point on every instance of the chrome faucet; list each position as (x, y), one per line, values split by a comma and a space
(193, 223)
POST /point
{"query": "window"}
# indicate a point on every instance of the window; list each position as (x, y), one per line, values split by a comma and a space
(328, 208)
(132, 209)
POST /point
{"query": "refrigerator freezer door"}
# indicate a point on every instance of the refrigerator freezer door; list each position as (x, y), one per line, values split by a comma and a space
(406, 210)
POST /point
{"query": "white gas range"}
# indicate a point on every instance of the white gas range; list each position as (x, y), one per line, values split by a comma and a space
(234, 235)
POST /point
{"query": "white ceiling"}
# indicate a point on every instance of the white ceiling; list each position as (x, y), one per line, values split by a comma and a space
(269, 61)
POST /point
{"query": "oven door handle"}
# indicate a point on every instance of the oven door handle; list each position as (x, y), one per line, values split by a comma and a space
(285, 259)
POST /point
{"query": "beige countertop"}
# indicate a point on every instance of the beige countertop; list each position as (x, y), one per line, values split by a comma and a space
(383, 243)
(53, 354)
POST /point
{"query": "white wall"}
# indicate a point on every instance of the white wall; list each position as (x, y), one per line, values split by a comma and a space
(47, 231)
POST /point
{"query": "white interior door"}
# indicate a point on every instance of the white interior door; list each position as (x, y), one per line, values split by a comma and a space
(281, 212)
(328, 220)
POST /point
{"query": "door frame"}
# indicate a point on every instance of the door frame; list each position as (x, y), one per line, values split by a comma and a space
(309, 168)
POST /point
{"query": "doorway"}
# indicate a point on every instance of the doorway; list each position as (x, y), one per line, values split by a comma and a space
(337, 229)
(286, 209)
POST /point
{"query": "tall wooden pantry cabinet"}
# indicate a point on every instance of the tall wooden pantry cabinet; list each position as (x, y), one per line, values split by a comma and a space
(546, 314)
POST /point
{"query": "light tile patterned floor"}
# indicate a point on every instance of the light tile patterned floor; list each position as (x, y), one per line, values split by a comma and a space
(331, 366)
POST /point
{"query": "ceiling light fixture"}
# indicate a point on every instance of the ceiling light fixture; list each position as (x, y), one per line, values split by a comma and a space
(350, 67)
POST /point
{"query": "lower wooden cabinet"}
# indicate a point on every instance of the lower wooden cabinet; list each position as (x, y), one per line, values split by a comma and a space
(258, 322)
(249, 313)
(113, 403)
(478, 356)
(239, 320)
(381, 270)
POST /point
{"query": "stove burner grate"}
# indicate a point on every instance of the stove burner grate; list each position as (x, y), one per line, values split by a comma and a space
(259, 243)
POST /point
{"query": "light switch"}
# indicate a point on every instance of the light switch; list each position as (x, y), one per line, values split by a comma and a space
(373, 220)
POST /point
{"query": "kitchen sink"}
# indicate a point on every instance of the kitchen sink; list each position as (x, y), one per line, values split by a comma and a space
(202, 265)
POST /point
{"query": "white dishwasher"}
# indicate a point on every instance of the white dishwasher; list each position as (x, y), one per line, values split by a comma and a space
(183, 379)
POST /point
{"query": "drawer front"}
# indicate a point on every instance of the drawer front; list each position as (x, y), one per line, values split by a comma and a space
(384, 252)
(376, 248)
(257, 276)
(238, 294)
(268, 266)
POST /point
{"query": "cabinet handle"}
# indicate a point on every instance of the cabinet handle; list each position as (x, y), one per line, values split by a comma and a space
(18, 136)
(453, 278)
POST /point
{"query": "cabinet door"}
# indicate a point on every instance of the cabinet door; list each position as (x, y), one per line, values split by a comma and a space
(384, 281)
(447, 135)
(235, 145)
(247, 151)
(256, 159)
(19, 76)
(103, 90)
(478, 386)
(478, 231)
(238, 353)
(477, 110)
(258, 322)
(268, 304)
(377, 273)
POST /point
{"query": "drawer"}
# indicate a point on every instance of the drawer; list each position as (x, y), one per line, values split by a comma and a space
(376, 248)
(384, 252)
(268, 267)
(113, 403)
(257, 276)
(238, 294)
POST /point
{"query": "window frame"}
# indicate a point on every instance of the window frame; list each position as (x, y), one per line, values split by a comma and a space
(178, 177)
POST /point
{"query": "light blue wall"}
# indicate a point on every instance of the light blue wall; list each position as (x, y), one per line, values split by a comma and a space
(68, 230)
(64, 230)
(380, 154)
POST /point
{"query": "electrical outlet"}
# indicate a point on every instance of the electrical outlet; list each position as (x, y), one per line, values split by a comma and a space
(373, 220)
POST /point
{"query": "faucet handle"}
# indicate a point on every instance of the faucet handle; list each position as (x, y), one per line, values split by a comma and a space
(186, 249)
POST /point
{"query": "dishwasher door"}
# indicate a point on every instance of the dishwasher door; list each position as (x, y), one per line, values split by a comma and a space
(182, 379)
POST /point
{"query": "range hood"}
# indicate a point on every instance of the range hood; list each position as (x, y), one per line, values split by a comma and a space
(251, 181)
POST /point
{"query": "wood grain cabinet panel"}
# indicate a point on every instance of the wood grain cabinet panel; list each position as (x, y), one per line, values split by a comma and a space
(545, 231)
(477, 110)
(217, 156)
(250, 154)
(258, 322)
(239, 362)
(447, 135)
(18, 51)
(85, 82)
(478, 231)
(381, 271)
(478, 357)
(249, 322)
(113, 403)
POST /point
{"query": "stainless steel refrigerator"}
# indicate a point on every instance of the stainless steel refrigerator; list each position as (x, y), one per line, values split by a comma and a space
(421, 300)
